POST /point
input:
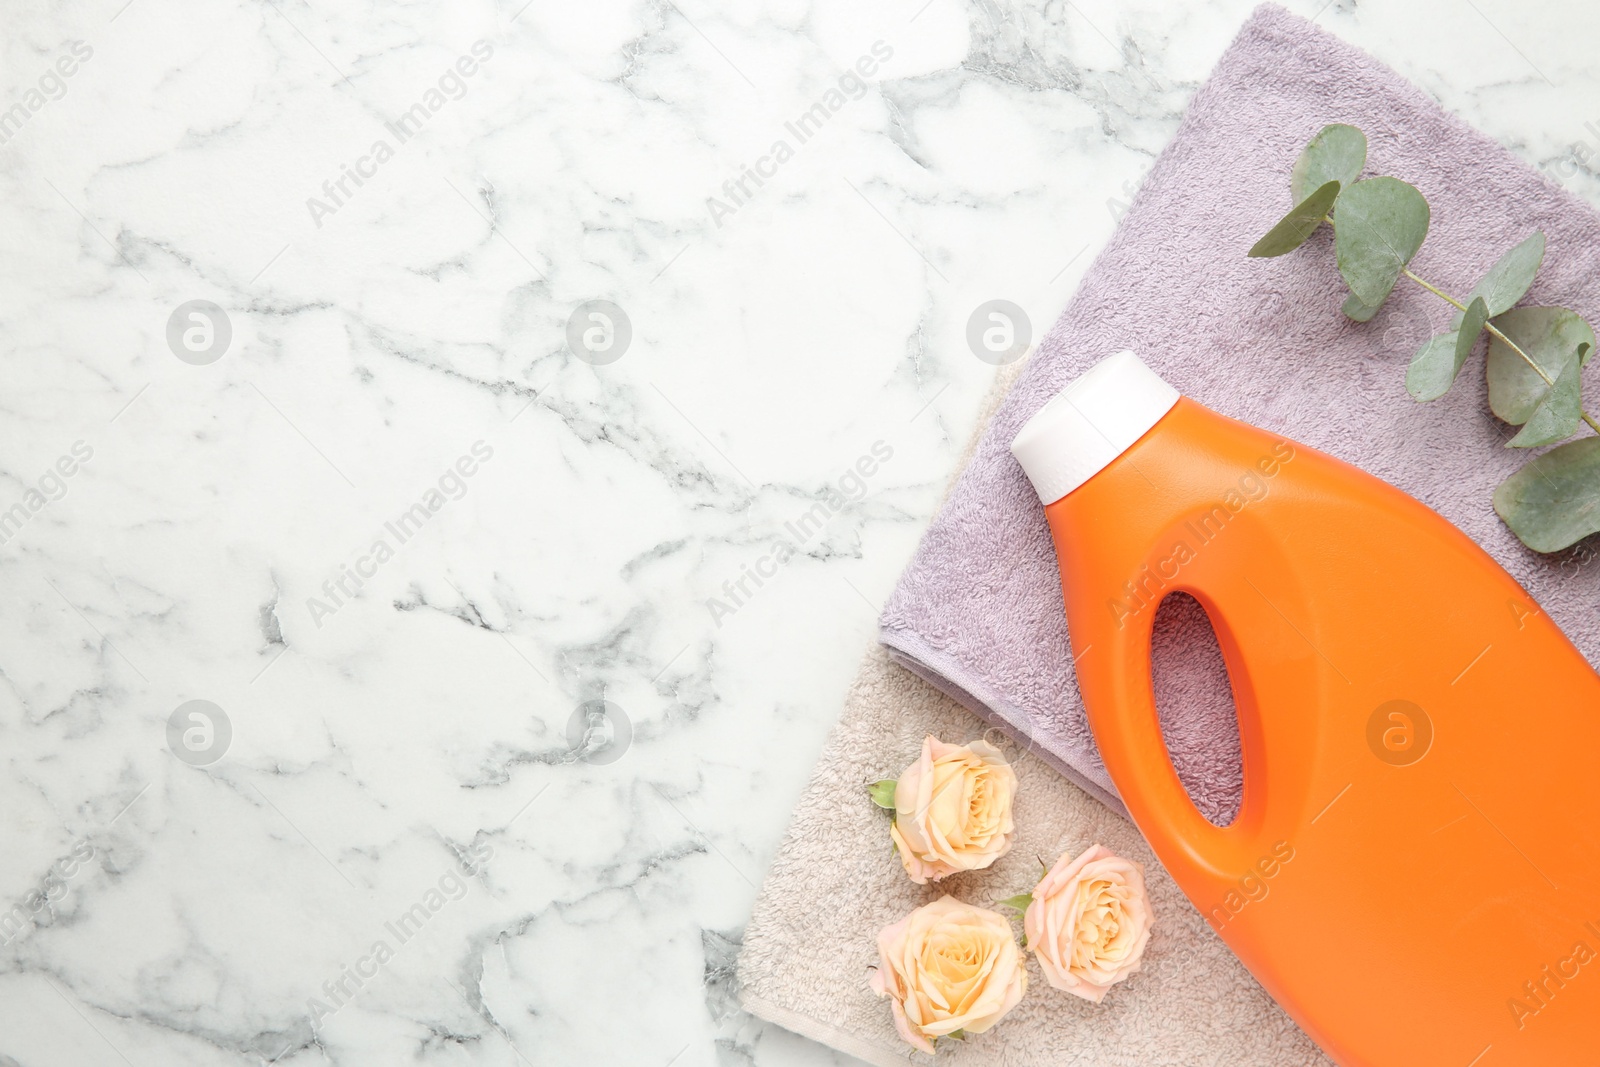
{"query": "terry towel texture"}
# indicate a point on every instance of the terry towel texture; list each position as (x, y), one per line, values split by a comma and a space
(978, 612)
(836, 882)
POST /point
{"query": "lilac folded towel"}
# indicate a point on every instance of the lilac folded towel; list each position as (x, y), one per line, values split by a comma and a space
(978, 612)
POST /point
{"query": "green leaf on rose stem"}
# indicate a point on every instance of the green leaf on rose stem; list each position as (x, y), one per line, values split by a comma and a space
(1553, 502)
(1511, 276)
(1551, 336)
(1558, 414)
(1434, 368)
(1355, 310)
(1381, 224)
(1301, 222)
(1337, 154)
(882, 793)
(957, 1035)
(1019, 902)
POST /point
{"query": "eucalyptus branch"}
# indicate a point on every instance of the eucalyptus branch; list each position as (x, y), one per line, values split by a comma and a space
(1492, 329)
(1495, 331)
(1553, 501)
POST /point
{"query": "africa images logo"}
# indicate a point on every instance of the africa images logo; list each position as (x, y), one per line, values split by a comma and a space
(846, 489)
(1538, 992)
(1146, 587)
(851, 85)
(1252, 885)
(450, 85)
(451, 485)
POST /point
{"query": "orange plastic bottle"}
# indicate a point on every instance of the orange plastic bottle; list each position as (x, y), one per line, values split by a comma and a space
(1414, 872)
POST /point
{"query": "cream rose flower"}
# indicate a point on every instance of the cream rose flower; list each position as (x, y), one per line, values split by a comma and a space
(948, 966)
(1089, 922)
(953, 809)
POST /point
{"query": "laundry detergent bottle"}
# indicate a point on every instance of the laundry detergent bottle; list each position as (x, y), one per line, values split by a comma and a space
(1414, 870)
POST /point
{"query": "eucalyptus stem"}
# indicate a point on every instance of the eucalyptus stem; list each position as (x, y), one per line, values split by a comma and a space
(1495, 331)
(1553, 501)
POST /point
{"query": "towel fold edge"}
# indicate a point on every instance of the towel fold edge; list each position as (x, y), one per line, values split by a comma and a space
(821, 1032)
(945, 674)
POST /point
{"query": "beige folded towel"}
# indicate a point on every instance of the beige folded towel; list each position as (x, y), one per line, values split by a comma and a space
(836, 882)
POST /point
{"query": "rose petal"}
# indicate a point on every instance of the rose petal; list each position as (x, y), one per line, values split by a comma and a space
(1089, 922)
(949, 966)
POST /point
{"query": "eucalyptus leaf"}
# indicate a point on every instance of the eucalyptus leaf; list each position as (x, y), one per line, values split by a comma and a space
(1511, 276)
(1301, 222)
(1355, 310)
(1554, 500)
(1434, 368)
(1381, 224)
(1337, 154)
(1551, 336)
(882, 793)
(1468, 326)
(1557, 415)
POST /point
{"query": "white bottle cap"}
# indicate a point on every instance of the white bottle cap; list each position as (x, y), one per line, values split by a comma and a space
(1090, 423)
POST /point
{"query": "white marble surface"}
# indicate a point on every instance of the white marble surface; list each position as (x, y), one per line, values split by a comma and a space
(180, 914)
